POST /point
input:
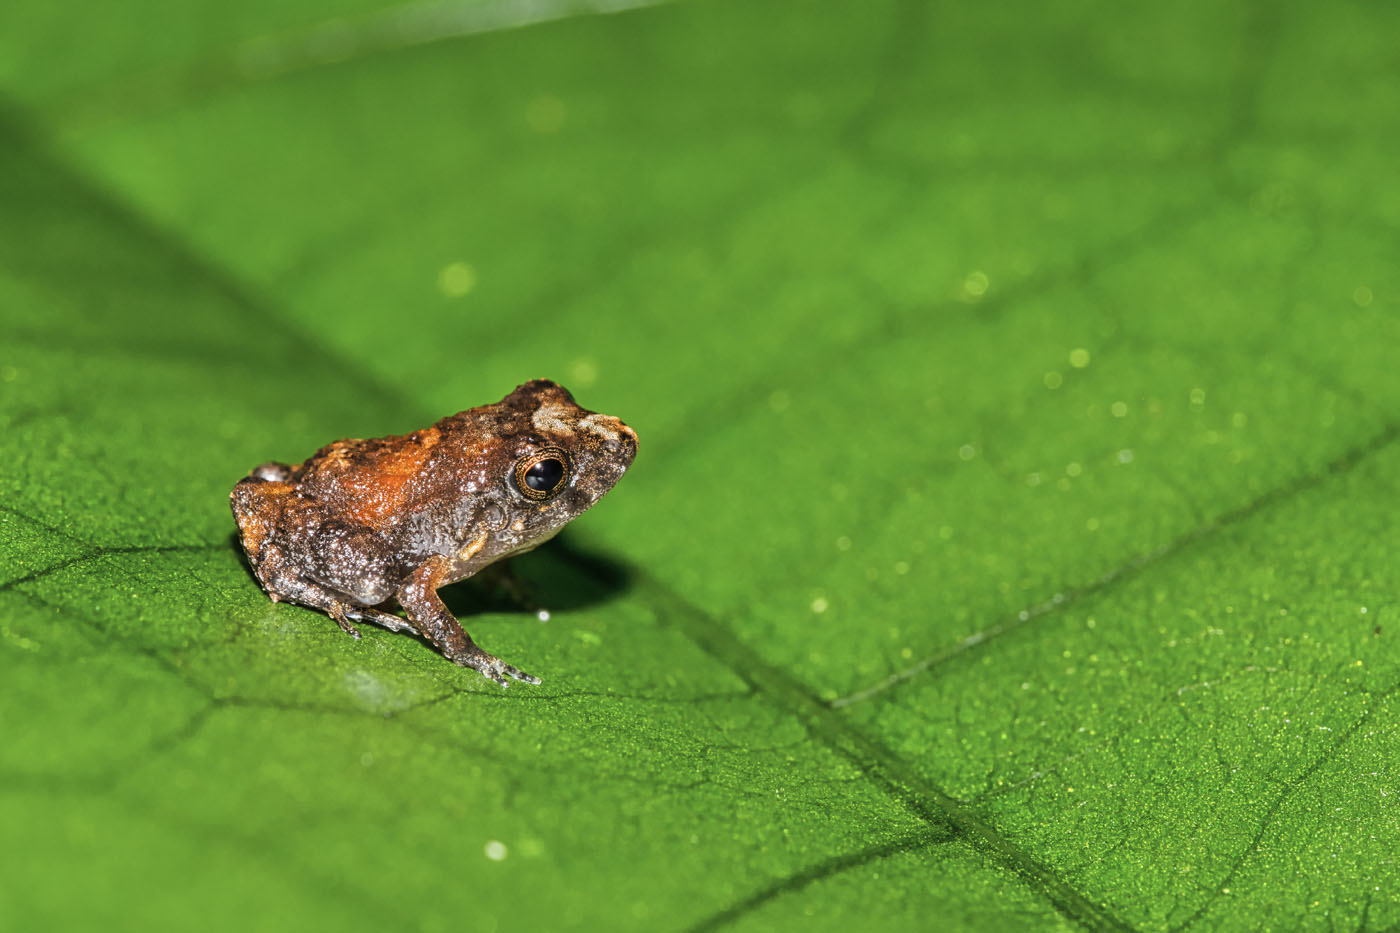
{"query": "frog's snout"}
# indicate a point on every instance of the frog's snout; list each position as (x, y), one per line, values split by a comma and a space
(618, 439)
(625, 446)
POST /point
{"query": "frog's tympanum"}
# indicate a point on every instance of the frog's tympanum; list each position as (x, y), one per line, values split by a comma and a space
(366, 524)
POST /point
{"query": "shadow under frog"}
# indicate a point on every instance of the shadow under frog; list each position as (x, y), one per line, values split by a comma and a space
(559, 576)
(366, 525)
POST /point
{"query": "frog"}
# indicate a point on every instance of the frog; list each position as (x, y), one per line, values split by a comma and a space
(367, 526)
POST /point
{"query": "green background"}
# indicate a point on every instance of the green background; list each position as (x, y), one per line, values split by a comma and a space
(1013, 540)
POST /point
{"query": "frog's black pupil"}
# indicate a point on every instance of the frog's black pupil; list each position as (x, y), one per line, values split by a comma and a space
(545, 475)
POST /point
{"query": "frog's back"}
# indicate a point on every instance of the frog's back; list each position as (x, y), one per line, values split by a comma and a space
(367, 480)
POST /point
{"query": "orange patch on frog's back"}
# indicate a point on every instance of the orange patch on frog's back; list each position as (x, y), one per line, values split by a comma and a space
(374, 486)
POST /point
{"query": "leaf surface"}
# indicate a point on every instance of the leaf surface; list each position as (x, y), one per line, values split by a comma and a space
(1012, 539)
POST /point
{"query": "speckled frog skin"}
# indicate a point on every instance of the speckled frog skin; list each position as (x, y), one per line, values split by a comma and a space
(373, 523)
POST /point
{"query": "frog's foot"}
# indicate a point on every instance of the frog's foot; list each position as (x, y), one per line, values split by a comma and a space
(493, 668)
(383, 619)
(336, 611)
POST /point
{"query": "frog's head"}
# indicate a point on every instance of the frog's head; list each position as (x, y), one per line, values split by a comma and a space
(559, 460)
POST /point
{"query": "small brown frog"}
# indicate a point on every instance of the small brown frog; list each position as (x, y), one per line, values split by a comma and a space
(368, 523)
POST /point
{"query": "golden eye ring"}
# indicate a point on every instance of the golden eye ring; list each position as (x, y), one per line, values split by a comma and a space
(542, 474)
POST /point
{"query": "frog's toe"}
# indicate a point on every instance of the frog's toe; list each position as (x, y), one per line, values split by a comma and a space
(490, 673)
(493, 668)
(500, 670)
(337, 612)
(520, 675)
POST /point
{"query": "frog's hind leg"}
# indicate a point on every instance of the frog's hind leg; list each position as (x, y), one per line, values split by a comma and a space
(263, 503)
(339, 606)
(342, 610)
(351, 568)
(295, 588)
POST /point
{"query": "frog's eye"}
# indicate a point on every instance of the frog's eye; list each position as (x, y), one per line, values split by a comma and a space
(542, 473)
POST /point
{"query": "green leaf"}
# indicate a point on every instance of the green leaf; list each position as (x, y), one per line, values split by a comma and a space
(1012, 541)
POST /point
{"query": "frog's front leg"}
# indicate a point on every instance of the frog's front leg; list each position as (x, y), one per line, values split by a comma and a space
(435, 622)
